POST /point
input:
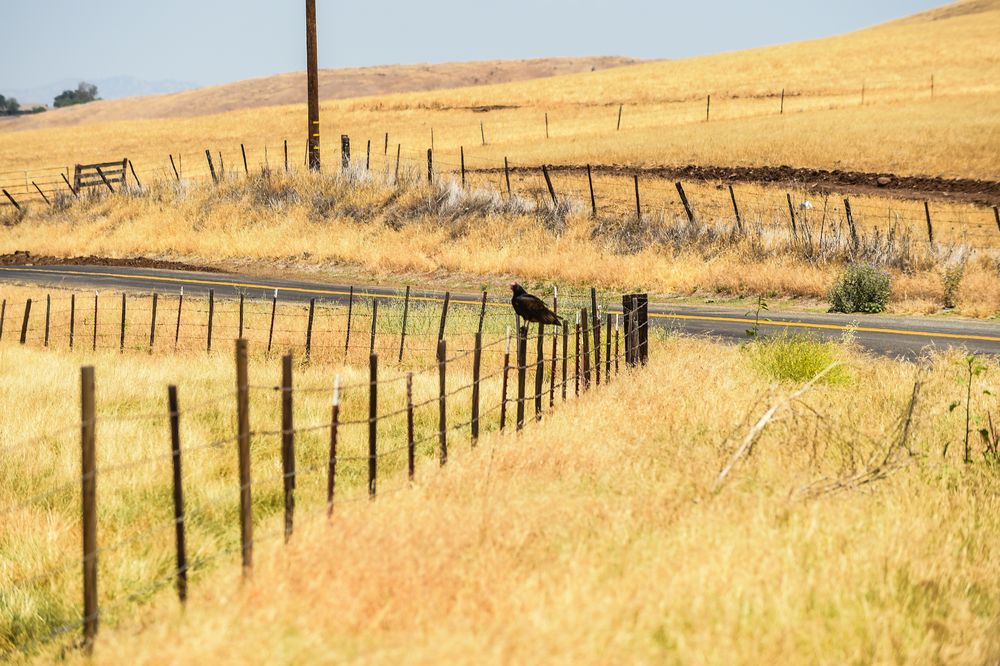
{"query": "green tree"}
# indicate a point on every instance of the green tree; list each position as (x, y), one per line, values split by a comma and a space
(85, 92)
(9, 106)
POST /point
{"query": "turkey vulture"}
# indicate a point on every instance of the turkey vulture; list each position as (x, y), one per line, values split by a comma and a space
(531, 308)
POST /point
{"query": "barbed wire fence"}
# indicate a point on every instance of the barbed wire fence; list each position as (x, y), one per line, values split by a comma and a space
(484, 403)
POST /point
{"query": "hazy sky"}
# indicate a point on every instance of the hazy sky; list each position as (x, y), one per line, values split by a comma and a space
(215, 41)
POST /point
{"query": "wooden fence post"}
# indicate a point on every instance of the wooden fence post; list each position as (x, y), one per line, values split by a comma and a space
(211, 315)
(586, 349)
(430, 165)
(372, 423)
(791, 215)
(368, 156)
(287, 444)
(576, 357)
(270, 329)
(175, 450)
(406, 312)
(243, 449)
(628, 312)
(48, 313)
(476, 362)
(410, 445)
(555, 342)
(596, 325)
(12, 200)
(522, 363)
(506, 174)
(548, 183)
(331, 472)
(593, 200)
(286, 155)
(177, 330)
(345, 152)
(385, 151)
(607, 348)
(546, 124)
(930, 226)
(643, 328)
(461, 155)
(482, 313)
(684, 201)
(41, 193)
(736, 210)
(539, 371)
(88, 421)
(399, 149)
(638, 206)
(350, 311)
(24, 322)
(121, 340)
(173, 166)
(482, 132)
(782, 111)
(442, 353)
(107, 183)
(708, 107)
(371, 342)
(309, 328)
(73, 190)
(152, 323)
(503, 385)
(246, 169)
(72, 319)
(241, 317)
(444, 315)
(996, 216)
(850, 223)
(565, 355)
(96, 293)
(211, 167)
(620, 107)
(617, 348)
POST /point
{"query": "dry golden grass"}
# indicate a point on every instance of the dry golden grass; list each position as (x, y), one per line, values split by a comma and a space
(595, 539)
(368, 230)
(900, 128)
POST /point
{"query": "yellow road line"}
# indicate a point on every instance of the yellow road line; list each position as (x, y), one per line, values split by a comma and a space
(654, 315)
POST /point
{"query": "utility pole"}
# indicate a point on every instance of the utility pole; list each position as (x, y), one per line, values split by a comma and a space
(312, 76)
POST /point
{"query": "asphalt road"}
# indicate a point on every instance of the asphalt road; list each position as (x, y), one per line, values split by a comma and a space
(891, 336)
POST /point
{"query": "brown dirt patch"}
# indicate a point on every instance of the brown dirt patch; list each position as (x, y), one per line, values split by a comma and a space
(21, 258)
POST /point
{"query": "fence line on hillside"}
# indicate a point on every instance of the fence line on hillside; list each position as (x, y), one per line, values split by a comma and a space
(581, 370)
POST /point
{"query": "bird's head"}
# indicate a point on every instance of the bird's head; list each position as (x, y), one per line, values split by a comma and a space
(516, 288)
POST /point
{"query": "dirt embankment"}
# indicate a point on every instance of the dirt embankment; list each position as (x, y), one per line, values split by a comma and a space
(22, 258)
(960, 190)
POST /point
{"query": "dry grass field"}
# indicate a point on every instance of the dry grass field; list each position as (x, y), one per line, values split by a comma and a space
(586, 538)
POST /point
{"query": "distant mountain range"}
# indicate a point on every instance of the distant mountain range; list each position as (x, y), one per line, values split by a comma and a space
(115, 87)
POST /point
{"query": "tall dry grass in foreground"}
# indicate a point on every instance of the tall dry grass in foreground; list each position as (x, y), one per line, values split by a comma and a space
(361, 225)
(596, 537)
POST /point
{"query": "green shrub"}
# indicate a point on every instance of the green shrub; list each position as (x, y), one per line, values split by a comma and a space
(795, 358)
(860, 288)
(951, 280)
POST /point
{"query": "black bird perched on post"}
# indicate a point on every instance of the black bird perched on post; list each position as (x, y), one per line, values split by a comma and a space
(531, 308)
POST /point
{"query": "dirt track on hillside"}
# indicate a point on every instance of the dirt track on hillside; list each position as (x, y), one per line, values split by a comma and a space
(21, 258)
(956, 190)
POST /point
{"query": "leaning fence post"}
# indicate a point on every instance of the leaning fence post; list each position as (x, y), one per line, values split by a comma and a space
(88, 439)
(996, 216)
(331, 472)
(309, 327)
(850, 223)
(48, 313)
(3, 314)
(211, 167)
(287, 444)
(522, 363)
(539, 370)
(350, 310)
(410, 445)
(246, 169)
(270, 329)
(476, 361)
(442, 352)
(503, 385)
(24, 322)
(791, 215)
(177, 330)
(736, 209)
(444, 315)
(152, 324)
(593, 201)
(930, 226)
(211, 315)
(175, 449)
(12, 200)
(243, 451)
(548, 183)
(406, 312)
(620, 107)
(371, 342)
(173, 166)
(684, 201)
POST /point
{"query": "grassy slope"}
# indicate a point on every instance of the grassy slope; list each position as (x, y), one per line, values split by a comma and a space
(594, 539)
(900, 128)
